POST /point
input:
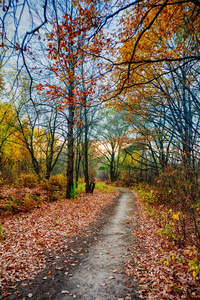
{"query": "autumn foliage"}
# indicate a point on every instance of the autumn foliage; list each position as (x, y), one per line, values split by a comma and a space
(146, 66)
(70, 47)
(163, 33)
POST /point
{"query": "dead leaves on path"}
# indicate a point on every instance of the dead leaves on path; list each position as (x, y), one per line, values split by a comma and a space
(31, 236)
(160, 267)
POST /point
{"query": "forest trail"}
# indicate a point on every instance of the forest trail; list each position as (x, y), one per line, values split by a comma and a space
(100, 274)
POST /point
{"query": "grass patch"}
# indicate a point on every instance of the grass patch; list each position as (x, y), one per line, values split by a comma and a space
(80, 188)
(101, 187)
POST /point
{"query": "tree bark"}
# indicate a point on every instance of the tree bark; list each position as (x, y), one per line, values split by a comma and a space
(70, 148)
(87, 183)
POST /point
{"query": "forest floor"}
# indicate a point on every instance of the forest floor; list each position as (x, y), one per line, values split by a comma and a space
(100, 246)
(44, 249)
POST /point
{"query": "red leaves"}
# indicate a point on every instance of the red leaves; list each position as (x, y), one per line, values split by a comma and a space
(5, 7)
(17, 47)
(29, 236)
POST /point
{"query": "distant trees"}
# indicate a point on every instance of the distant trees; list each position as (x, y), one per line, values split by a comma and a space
(110, 137)
(42, 131)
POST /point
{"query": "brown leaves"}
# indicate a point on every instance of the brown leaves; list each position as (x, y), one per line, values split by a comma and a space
(161, 268)
(31, 236)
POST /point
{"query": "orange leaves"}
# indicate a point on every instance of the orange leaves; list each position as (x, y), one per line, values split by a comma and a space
(39, 87)
(159, 32)
(69, 49)
(28, 235)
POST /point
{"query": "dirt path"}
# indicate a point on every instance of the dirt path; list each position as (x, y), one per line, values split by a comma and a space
(100, 275)
(92, 265)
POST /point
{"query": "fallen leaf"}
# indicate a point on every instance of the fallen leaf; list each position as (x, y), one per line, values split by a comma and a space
(24, 284)
(37, 229)
(64, 292)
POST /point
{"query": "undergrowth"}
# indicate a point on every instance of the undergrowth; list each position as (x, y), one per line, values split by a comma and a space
(174, 225)
(101, 187)
(29, 193)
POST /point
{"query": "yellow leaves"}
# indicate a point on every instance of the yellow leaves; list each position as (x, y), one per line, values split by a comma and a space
(173, 257)
(194, 274)
(159, 261)
(166, 262)
(171, 26)
(176, 216)
(194, 267)
(47, 35)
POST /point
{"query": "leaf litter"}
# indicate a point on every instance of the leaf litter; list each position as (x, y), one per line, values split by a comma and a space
(160, 266)
(30, 237)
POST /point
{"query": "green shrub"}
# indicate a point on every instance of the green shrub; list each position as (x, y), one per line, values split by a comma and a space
(20, 202)
(81, 187)
(2, 235)
(1, 180)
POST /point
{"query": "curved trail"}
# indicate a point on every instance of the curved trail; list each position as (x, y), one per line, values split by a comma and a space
(100, 274)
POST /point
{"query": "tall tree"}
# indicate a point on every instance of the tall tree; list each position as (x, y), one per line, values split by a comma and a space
(69, 48)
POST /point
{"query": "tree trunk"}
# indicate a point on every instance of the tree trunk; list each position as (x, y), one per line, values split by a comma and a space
(70, 148)
(87, 183)
(112, 165)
